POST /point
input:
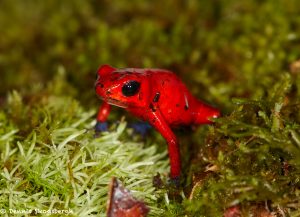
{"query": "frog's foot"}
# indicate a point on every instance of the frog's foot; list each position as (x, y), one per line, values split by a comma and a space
(100, 127)
(174, 182)
(141, 128)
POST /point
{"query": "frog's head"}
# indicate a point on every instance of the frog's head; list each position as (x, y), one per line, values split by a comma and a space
(122, 87)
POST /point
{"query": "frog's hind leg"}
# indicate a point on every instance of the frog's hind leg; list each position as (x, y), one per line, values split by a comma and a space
(204, 113)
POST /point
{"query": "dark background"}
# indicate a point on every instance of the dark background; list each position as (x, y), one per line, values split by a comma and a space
(220, 48)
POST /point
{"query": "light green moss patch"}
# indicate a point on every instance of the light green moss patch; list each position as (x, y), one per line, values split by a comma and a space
(60, 165)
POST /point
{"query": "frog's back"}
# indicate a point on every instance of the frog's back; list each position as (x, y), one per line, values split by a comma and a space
(171, 97)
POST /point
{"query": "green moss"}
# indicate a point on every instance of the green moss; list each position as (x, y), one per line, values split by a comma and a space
(256, 156)
(60, 165)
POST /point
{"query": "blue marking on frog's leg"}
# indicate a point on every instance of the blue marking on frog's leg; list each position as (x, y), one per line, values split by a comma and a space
(101, 126)
(174, 182)
(140, 127)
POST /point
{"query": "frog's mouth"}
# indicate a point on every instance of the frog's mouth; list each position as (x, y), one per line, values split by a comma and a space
(112, 101)
(115, 102)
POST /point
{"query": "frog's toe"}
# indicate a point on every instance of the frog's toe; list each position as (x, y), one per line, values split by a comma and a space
(141, 128)
(101, 126)
(174, 181)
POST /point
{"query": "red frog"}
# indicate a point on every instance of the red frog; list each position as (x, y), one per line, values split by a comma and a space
(157, 96)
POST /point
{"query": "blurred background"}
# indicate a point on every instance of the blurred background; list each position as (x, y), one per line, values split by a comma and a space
(221, 49)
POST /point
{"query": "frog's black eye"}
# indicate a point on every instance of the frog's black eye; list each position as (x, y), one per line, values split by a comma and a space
(131, 88)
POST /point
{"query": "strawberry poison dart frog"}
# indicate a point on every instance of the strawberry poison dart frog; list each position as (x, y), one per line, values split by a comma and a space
(154, 95)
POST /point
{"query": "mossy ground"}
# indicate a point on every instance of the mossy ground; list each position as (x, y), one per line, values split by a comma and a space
(239, 56)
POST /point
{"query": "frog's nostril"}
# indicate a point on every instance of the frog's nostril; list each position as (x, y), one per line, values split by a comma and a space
(108, 92)
(98, 86)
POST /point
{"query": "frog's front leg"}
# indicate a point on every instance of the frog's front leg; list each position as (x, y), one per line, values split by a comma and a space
(158, 122)
(102, 116)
